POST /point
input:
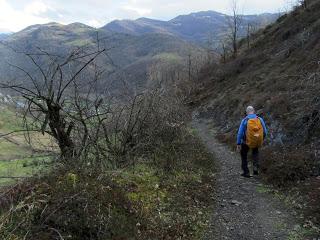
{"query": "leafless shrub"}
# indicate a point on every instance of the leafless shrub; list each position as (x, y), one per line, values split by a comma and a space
(286, 166)
(181, 79)
(235, 23)
(57, 96)
(64, 98)
(134, 128)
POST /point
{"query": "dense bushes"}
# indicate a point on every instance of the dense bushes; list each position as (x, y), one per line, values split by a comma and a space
(144, 201)
(122, 130)
(286, 166)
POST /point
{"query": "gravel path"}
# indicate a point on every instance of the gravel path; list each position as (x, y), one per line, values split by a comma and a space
(242, 210)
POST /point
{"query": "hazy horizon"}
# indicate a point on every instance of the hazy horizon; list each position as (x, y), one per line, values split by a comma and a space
(15, 15)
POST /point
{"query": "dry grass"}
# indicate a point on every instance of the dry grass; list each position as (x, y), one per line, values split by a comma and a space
(145, 201)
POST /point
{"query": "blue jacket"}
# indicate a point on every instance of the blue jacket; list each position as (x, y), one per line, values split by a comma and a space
(243, 128)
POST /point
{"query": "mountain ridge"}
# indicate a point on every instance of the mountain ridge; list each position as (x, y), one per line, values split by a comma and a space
(131, 55)
(132, 50)
(195, 27)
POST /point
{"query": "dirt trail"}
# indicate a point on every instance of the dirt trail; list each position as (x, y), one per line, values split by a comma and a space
(242, 211)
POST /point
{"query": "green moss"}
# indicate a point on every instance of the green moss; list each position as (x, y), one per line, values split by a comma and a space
(145, 186)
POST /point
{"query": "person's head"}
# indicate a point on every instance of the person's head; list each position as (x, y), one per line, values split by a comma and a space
(250, 110)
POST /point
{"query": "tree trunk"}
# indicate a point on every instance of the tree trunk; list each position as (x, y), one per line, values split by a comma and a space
(60, 132)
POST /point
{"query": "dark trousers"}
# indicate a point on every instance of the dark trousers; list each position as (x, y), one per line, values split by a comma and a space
(244, 157)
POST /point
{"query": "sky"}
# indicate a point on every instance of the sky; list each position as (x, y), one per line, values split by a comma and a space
(18, 14)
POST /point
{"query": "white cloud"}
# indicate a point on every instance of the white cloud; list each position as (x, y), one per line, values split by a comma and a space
(139, 11)
(95, 23)
(16, 20)
(36, 8)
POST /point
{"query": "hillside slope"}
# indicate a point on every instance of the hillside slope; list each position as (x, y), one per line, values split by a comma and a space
(279, 75)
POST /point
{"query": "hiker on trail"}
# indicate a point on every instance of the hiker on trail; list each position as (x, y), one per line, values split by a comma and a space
(251, 135)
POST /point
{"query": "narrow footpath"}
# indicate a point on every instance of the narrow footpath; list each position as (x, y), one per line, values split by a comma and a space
(242, 210)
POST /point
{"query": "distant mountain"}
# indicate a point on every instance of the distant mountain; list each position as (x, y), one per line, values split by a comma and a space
(134, 45)
(3, 36)
(4, 33)
(131, 55)
(196, 27)
(138, 27)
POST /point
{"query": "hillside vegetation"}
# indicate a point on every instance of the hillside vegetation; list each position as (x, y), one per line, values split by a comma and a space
(279, 75)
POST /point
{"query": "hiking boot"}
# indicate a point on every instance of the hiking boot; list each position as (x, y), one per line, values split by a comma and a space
(246, 175)
(256, 173)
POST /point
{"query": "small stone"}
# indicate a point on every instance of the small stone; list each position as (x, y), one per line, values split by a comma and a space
(235, 202)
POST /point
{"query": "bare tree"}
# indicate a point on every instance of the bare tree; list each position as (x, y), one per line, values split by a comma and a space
(224, 49)
(54, 95)
(251, 28)
(189, 67)
(210, 49)
(235, 21)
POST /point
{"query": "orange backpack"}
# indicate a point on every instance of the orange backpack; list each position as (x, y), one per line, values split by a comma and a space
(254, 134)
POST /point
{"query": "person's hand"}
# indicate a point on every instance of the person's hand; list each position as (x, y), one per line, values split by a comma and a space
(238, 148)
